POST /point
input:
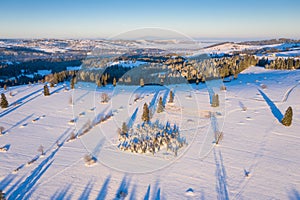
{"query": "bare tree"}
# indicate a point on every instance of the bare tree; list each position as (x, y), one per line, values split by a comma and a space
(41, 149)
(104, 98)
(2, 130)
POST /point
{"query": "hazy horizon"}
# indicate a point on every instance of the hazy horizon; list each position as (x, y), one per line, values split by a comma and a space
(226, 20)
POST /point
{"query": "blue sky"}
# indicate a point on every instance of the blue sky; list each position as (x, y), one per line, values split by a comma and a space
(101, 19)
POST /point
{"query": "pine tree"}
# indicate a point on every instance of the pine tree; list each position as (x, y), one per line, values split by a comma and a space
(142, 82)
(146, 116)
(4, 102)
(160, 106)
(215, 100)
(99, 84)
(46, 90)
(114, 82)
(171, 97)
(41, 150)
(288, 117)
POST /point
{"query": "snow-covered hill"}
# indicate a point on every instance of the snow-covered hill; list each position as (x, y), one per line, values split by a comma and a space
(258, 157)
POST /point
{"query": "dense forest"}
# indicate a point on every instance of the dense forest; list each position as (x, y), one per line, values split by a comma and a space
(167, 69)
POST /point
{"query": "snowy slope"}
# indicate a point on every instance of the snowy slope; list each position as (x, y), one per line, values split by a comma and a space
(254, 141)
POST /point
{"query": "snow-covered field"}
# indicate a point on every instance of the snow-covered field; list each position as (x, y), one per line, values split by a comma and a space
(258, 157)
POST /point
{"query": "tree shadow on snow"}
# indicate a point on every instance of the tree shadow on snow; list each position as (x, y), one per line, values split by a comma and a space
(155, 194)
(133, 192)
(275, 111)
(87, 190)
(61, 194)
(6, 181)
(103, 192)
(294, 195)
(57, 90)
(19, 103)
(147, 195)
(132, 118)
(221, 185)
(19, 123)
(23, 190)
(122, 191)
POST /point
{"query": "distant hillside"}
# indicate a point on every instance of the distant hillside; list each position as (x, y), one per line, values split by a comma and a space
(270, 42)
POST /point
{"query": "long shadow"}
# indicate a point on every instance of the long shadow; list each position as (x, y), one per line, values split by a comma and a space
(275, 111)
(123, 189)
(60, 138)
(100, 115)
(214, 123)
(103, 192)
(6, 181)
(221, 185)
(202, 195)
(97, 149)
(164, 99)
(25, 97)
(54, 91)
(82, 96)
(147, 195)
(152, 104)
(294, 195)
(157, 196)
(156, 191)
(2, 114)
(24, 188)
(87, 190)
(133, 193)
(61, 193)
(19, 123)
(132, 118)
(12, 188)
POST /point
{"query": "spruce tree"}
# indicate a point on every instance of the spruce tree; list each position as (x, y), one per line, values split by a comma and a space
(4, 102)
(46, 90)
(215, 100)
(160, 106)
(114, 82)
(145, 115)
(288, 117)
(171, 97)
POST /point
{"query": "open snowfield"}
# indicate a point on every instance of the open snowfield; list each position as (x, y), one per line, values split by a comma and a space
(258, 157)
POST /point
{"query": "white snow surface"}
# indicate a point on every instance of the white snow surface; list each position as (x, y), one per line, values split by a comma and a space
(254, 141)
